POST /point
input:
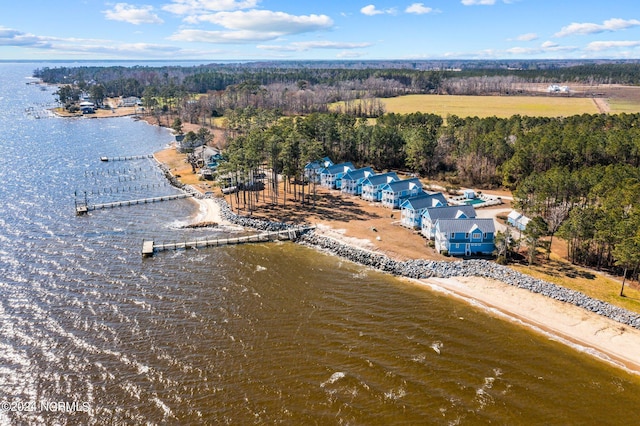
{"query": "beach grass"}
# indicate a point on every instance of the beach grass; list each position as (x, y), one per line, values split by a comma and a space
(593, 284)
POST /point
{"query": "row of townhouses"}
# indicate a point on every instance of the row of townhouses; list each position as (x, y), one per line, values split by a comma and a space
(454, 229)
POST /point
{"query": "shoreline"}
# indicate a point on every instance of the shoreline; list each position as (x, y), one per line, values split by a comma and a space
(586, 332)
(575, 320)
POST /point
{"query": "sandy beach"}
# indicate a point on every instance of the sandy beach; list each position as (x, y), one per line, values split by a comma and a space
(585, 331)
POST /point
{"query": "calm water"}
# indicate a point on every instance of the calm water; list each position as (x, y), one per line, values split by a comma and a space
(90, 333)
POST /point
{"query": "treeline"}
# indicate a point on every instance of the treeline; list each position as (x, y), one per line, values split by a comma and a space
(485, 152)
(132, 81)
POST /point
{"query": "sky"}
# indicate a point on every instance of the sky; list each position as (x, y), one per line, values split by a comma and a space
(322, 29)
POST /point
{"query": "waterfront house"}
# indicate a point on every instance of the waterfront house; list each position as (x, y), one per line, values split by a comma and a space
(371, 186)
(431, 215)
(331, 177)
(517, 220)
(395, 192)
(465, 237)
(411, 209)
(352, 181)
(312, 170)
(87, 107)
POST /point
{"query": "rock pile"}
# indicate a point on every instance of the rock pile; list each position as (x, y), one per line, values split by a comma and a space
(249, 222)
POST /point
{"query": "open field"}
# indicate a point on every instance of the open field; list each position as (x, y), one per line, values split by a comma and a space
(613, 99)
(488, 106)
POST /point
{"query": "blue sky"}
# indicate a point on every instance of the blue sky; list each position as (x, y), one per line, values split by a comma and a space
(324, 29)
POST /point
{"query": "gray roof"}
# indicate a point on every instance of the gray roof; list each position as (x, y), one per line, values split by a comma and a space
(424, 200)
(325, 162)
(448, 212)
(465, 225)
(358, 173)
(337, 168)
(381, 179)
(402, 185)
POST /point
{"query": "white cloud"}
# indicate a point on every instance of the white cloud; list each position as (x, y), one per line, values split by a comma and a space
(11, 37)
(478, 2)
(371, 10)
(609, 25)
(418, 9)
(92, 48)
(194, 7)
(223, 37)
(598, 46)
(527, 37)
(302, 46)
(268, 21)
(132, 14)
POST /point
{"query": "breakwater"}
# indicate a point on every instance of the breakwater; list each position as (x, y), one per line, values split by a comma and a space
(422, 269)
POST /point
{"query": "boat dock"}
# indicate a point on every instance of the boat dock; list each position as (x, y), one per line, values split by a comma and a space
(149, 248)
(83, 208)
(133, 157)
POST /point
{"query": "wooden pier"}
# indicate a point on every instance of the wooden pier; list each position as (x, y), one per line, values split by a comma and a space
(83, 208)
(133, 157)
(149, 248)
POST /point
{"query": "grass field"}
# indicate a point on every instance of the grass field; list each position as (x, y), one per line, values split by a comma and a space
(488, 106)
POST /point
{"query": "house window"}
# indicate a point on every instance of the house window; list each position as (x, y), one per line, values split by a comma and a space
(484, 235)
(453, 235)
(466, 235)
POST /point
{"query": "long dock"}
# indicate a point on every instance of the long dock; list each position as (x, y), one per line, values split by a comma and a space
(82, 208)
(133, 157)
(149, 248)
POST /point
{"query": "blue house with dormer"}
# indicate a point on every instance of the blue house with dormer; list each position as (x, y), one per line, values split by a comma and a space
(465, 237)
(431, 215)
(412, 207)
(393, 193)
(331, 177)
(312, 170)
(371, 186)
(352, 181)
